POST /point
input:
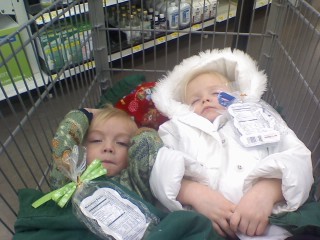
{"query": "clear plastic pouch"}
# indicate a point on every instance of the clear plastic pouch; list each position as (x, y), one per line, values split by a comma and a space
(105, 208)
(111, 213)
(256, 122)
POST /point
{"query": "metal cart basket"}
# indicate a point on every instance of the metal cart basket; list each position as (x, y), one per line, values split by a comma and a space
(58, 63)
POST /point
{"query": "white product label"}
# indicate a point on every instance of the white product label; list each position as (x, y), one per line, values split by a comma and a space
(196, 12)
(206, 11)
(115, 215)
(213, 10)
(174, 20)
(186, 16)
(255, 124)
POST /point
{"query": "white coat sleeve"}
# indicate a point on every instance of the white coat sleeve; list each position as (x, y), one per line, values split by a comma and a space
(171, 166)
(289, 160)
(166, 176)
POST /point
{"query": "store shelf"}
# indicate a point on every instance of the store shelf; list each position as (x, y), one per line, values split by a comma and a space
(80, 9)
(262, 3)
(41, 79)
(20, 86)
(224, 12)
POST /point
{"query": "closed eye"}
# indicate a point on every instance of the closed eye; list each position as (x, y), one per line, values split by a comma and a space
(194, 101)
(124, 144)
(95, 141)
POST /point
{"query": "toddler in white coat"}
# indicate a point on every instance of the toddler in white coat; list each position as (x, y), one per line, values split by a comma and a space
(203, 164)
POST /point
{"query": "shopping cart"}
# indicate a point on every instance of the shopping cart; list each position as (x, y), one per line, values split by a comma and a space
(51, 77)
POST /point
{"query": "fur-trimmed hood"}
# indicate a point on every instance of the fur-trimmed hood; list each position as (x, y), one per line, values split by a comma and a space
(236, 65)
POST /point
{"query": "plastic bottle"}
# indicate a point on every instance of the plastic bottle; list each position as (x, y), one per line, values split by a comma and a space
(134, 32)
(124, 24)
(133, 8)
(140, 13)
(196, 12)
(173, 16)
(156, 26)
(123, 9)
(205, 9)
(136, 28)
(150, 11)
(213, 8)
(156, 14)
(150, 17)
(185, 11)
(163, 21)
(146, 27)
(112, 16)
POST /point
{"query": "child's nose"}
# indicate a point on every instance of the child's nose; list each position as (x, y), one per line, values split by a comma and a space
(108, 147)
(206, 100)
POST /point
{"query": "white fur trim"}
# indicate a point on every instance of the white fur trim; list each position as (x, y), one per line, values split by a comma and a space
(236, 65)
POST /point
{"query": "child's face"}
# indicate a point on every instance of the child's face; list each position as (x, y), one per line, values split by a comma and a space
(202, 94)
(109, 142)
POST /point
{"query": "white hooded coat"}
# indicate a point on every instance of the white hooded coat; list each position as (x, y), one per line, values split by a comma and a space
(211, 153)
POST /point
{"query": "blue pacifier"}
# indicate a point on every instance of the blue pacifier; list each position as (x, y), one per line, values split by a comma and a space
(225, 99)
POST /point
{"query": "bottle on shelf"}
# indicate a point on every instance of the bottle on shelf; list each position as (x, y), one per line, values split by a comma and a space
(123, 9)
(150, 17)
(140, 13)
(133, 8)
(197, 11)
(150, 11)
(173, 16)
(112, 16)
(156, 14)
(206, 10)
(134, 30)
(185, 12)
(213, 8)
(124, 25)
(156, 26)
(163, 22)
(146, 26)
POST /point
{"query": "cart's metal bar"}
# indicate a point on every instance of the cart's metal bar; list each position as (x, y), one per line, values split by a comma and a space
(8, 205)
(100, 43)
(263, 29)
(245, 12)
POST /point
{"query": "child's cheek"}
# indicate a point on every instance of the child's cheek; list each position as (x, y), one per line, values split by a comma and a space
(89, 155)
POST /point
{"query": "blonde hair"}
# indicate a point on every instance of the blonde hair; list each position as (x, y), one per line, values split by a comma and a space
(206, 71)
(108, 111)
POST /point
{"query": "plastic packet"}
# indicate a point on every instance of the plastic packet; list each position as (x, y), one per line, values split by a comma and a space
(256, 122)
(74, 168)
(106, 209)
(111, 213)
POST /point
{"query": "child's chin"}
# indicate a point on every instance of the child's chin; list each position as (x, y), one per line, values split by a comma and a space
(210, 117)
(106, 165)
